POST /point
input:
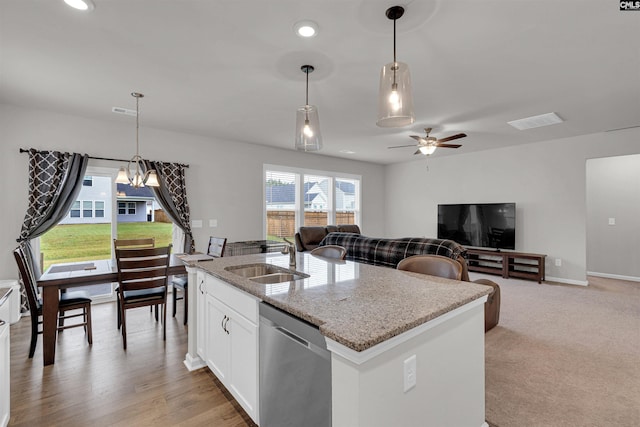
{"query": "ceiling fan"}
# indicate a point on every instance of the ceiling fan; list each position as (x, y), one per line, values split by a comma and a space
(428, 144)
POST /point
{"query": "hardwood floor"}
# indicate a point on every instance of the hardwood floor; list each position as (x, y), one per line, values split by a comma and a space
(104, 385)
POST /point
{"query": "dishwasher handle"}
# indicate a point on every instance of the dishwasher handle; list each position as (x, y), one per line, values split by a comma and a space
(293, 336)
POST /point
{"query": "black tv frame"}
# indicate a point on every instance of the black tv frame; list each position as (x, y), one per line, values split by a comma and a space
(497, 232)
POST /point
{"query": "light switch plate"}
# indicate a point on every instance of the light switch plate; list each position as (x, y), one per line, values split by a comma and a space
(612, 221)
(213, 223)
(196, 223)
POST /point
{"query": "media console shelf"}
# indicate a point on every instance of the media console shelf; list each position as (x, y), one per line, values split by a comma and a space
(507, 264)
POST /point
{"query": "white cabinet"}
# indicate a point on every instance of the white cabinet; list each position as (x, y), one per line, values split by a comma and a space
(4, 372)
(200, 298)
(231, 350)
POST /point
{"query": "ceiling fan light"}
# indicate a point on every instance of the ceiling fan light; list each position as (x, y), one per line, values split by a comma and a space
(308, 137)
(427, 150)
(395, 103)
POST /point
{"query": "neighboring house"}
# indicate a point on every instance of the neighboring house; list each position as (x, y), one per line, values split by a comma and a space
(282, 196)
(135, 204)
(93, 205)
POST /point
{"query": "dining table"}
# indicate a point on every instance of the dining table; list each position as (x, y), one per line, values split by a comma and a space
(63, 276)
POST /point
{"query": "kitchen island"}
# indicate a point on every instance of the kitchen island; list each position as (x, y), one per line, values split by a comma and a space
(378, 323)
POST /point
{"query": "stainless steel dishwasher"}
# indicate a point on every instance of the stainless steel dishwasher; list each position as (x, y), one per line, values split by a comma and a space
(295, 372)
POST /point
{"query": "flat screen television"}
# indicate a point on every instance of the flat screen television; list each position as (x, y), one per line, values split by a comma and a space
(482, 225)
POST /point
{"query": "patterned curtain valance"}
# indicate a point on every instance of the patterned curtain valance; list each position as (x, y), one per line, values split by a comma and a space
(172, 196)
(55, 179)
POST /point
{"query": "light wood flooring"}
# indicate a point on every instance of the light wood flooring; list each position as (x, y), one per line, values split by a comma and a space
(104, 385)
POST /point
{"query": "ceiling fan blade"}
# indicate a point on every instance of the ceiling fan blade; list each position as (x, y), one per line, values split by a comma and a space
(448, 145)
(417, 152)
(452, 137)
(401, 146)
(417, 138)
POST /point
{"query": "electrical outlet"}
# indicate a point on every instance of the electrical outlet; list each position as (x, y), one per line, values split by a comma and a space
(410, 373)
(213, 223)
(612, 221)
(196, 223)
(558, 262)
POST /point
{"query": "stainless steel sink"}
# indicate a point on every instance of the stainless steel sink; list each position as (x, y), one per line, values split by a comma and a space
(266, 273)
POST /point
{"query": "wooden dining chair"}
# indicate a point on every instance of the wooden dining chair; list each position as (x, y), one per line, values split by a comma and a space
(147, 242)
(72, 300)
(433, 265)
(143, 242)
(142, 277)
(181, 282)
(330, 251)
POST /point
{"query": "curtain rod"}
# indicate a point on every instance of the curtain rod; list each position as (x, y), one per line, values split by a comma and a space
(23, 150)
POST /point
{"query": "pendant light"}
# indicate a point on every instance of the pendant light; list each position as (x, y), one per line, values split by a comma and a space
(395, 104)
(133, 174)
(308, 137)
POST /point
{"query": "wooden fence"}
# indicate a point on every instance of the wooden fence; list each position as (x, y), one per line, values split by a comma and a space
(282, 223)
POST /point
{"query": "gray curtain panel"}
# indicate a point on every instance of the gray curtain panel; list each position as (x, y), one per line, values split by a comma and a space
(172, 196)
(55, 179)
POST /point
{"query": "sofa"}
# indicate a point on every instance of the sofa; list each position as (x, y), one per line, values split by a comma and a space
(308, 238)
(389, 252)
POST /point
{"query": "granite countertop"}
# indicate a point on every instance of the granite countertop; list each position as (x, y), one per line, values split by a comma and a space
(357, 305)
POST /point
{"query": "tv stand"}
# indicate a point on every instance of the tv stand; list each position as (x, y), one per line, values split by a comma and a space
(507, 264)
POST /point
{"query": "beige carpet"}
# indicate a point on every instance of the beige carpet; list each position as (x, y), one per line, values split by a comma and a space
(564, 355)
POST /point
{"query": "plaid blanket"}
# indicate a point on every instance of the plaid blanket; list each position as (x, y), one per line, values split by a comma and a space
(389, 252)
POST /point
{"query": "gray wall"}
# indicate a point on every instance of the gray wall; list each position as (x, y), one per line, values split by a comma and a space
(613, 191)
(224, 179)
(546, 180)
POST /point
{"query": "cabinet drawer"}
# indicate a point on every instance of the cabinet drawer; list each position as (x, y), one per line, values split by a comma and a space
(243, 303)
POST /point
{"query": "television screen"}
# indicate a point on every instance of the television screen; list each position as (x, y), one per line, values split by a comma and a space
(483, 225)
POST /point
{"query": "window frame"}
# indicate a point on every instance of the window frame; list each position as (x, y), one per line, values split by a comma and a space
(299, 199)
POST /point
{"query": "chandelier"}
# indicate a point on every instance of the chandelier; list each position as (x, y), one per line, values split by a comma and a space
(134, 174)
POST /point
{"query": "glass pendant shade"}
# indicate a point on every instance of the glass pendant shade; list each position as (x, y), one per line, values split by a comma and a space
(308, 137)
(395, 103)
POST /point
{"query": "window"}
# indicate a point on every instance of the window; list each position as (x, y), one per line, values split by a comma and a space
(75, 209)
(87, 209)
(295, 197)
(87, 181)
(126, 208)
(99, 209)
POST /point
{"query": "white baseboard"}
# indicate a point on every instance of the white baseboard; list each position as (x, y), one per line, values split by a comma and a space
(567, 281)
(193, 363)
(614, 276)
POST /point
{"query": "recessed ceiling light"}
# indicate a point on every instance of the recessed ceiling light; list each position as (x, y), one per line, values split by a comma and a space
(347, 152)
(86, 5)
(306, 29)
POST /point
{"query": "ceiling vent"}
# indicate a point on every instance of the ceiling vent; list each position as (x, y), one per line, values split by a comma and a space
(536, 121)
(120, 110)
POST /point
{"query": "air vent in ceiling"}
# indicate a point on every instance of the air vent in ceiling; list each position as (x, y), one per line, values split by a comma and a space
(547, 119)
(120, 110)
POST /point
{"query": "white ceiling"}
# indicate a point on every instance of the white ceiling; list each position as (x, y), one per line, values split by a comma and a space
(230, 69)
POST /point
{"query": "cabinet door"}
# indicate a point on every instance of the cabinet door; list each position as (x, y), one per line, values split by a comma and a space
(201, 314)
(244, 362)
(217, 349)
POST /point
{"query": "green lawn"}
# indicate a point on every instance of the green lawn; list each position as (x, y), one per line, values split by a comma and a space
(83, 242)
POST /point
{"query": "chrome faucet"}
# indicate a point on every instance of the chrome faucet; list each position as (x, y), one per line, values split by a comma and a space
(291, 250)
